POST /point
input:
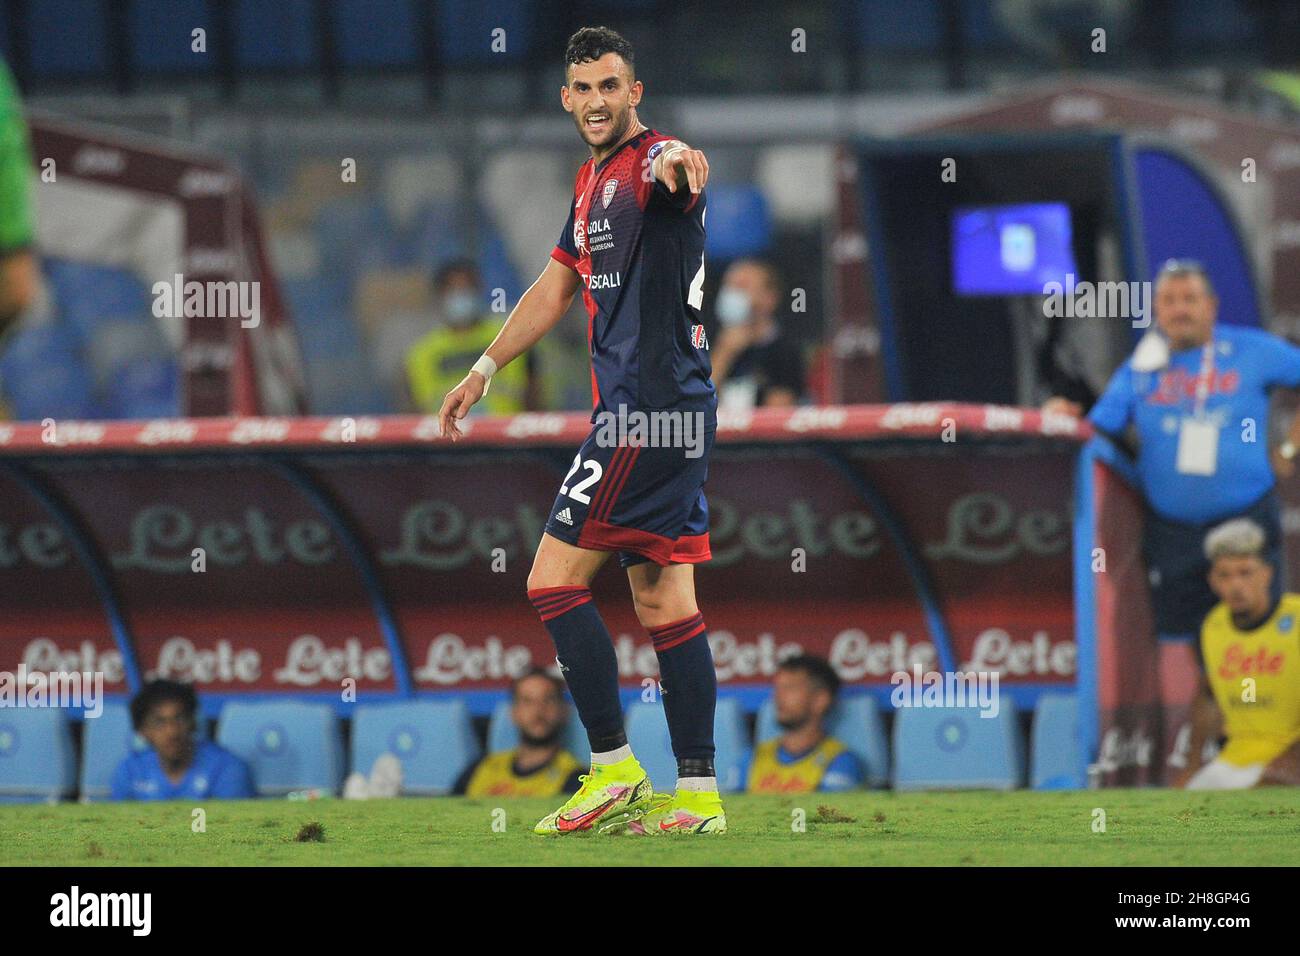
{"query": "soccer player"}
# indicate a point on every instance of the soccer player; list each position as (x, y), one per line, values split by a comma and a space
(539, 766)
(804, 758)
(175, 766)
(1250, 643)
(19, 272)
(1194, 393)
(634, 244)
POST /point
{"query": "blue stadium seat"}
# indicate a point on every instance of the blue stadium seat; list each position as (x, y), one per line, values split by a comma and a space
(68, 37)
(433, 237)
(739, 222)
(856, 722)
(503, 735)
(86, 294)
(954, 748)
(354, 234)
(1211, 26)
(434, 740)
(1056, 761)
(37, 759)
(287, 745)
(887, 26)
(144, 388)
(105, 741)
(44, 374)
(377, 33)
(161, 36)
(498, 271)
(465, 36)
(275, 34)
(647, 732)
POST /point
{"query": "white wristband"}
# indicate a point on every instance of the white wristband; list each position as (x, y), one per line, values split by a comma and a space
(487, 368)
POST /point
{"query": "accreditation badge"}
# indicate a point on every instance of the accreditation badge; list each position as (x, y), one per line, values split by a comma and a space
(1198, 447)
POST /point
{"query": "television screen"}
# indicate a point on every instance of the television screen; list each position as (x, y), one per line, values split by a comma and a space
(1010, 250)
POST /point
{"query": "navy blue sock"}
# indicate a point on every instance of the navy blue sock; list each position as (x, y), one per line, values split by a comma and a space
(690, 689)
(587, 660)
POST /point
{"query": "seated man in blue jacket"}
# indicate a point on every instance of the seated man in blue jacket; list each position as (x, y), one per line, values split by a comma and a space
(176, 766)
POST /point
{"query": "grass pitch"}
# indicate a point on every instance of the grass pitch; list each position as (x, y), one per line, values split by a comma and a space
(1142, 828)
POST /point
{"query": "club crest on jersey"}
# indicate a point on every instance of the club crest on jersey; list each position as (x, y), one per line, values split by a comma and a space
(698, 338)
(607, 196)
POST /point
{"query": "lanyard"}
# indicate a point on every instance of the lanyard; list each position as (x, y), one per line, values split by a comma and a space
(1204, 379)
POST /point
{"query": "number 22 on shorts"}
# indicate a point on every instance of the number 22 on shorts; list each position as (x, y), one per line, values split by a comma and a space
(578, 492)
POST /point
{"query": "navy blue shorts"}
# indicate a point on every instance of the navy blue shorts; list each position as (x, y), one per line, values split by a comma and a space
(645, 502)
(1178, 570)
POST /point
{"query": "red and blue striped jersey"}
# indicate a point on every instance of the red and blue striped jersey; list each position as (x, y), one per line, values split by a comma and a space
(639, 250)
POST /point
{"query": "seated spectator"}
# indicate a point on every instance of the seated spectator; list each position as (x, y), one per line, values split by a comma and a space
(539, 766)
(803, 758)
(437, 362)
(1250, 649)
(756, 362)
(176, 766)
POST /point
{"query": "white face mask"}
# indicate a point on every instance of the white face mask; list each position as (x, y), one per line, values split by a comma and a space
(732, 306)
(460, 308)
(1152, 353)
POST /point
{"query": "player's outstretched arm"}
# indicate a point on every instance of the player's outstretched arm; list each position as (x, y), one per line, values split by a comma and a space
(536, 313)
(679, 166)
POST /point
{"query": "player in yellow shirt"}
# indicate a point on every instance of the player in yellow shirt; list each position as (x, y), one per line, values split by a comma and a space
(1250, 647)
(539, 766)
(803, 759)
(436, 362)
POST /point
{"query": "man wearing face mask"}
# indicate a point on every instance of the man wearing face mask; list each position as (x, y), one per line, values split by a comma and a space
(1195, 398)
(755, 363)
(436, 363)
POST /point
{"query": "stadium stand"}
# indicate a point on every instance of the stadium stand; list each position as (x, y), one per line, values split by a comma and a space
(647, 733)
(38, 762)
(1054, 744)
(856, 722)
(434, 740)
(287, 745)
(105, 741)
(504, 735)
(954, 748)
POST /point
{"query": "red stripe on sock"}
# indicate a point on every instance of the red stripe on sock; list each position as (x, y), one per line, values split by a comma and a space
(552, 602)
(678, 632)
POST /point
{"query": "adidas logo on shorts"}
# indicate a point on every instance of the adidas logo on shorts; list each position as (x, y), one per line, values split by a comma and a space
(565, 517)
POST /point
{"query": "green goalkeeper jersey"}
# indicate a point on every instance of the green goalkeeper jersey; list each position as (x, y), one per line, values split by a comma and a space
(15, 169)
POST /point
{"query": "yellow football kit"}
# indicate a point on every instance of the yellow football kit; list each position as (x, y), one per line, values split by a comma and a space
(1255, 677)
(768, 774)
(495, 776)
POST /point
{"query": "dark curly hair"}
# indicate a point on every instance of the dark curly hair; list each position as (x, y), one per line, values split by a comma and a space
(591, 43)
(158, 692)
